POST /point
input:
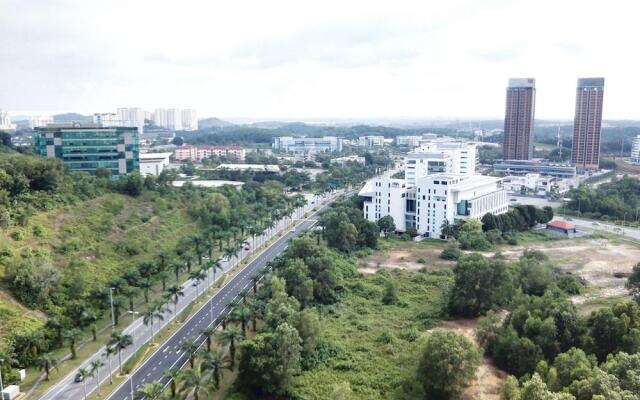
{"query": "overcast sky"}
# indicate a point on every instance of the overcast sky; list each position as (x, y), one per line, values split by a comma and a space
(315, 59)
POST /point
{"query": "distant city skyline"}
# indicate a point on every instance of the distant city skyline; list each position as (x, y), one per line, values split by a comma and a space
(327, 60)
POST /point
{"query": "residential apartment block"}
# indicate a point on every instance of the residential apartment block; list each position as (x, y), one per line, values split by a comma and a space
(38, 121)
(199, 153)
(518, 120)
(189, 120)
(587, 124)
(86, 147)
(635, 150)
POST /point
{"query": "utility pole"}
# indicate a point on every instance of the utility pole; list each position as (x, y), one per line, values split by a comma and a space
(559, 143)
(113, 314)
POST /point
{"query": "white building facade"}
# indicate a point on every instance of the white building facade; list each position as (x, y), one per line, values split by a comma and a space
(39, 121)
(410, 141)
(153, 163)
(189, 119)
(132, 116)
(441, 157)
(371, 141)
(635, 150)
(170, 118)
(306, 148)
(434, 199)
(5, 122)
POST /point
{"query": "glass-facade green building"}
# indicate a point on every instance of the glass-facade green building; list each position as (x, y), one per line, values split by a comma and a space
(86, 147)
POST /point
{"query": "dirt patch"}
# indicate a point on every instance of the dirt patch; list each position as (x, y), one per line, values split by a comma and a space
(411, 258)
(489, 379)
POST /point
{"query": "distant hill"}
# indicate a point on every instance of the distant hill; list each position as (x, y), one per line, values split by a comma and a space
(213, 123)
(72, 117)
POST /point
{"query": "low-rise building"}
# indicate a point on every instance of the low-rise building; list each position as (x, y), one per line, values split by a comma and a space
(199, 153)
(434, 199)
(371, 141)
(565, 228)
(535, 184)
(87, 147)
(347, 159)
(250, 167)
(306, 148)
(38, 121)
(409, 141)
(523, 167)
(153, 163)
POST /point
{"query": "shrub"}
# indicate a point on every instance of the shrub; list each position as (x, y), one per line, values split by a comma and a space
(451, 253)
(17, 235)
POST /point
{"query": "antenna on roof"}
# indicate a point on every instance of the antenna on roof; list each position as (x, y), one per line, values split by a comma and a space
(559, 143)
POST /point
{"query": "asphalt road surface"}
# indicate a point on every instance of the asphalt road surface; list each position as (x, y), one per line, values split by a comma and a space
(169, 356)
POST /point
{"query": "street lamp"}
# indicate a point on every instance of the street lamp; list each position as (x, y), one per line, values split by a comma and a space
(113, 314)
(1, 384)
(133, 314)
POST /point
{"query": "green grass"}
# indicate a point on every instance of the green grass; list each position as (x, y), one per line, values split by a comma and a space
(90, 243)
(376, 346)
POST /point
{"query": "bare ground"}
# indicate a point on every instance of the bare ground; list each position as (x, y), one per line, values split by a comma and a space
(489, 379)
(409, 257)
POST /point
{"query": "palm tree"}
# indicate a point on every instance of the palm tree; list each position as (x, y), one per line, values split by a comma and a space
(46, 362)
(230, 337)
(214, 361)
(174, 376)
(91, 317)
(216, 265)
(130, 292)
(155, 311)
(55, 324)
(85, 374)
(108, 352)
(190, 348)
(72, 336)
(194, 382)
(175, 292)
(188, 258)
(120, 341)
(145, 284)
(177, 267)
(243, 316)
(95, 368)
(163, 276)
(198, 247)
(150, 391)
(254, 282)
(208, 332)
(197, 276)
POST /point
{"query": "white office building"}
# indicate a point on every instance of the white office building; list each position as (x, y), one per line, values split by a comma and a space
(635, 150)
(409, 141)
(39, 121)
(189, 119)
(371, 141)
(170, 118)
(108, 120)
(153, 163)
(306, 148)
(5, 122)
(440, 157)
(132, 116)
(432, 200)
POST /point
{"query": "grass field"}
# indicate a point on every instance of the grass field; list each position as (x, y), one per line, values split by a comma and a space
(90, 243)
(376, 346)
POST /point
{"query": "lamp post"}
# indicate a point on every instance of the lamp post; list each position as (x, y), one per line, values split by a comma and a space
(1, 384)
(113, 314)
(133, 314)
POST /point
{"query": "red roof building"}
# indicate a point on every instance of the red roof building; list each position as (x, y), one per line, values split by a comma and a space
(560, 226)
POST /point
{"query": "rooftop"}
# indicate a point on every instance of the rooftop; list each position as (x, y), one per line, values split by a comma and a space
(559, 224)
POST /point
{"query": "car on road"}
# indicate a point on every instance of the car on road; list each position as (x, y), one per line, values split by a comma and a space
(78, 378)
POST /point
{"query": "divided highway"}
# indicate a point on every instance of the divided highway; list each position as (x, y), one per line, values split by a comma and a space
(168, 356)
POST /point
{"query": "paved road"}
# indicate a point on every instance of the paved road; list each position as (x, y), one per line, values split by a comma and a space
(67, 389)
(169, 356)
(590, 225)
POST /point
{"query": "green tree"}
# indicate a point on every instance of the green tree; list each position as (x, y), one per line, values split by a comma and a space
(194, 382)
(386, 224)
(46, 362)
(230, 337)
(72, 336)
(151, 391)
(95, 370)
(308, 329)
(215, 362)
(390, 293)
(110, 351)
(270, 361)
(84, 373)
(190, 349)
(448, 365)
(480, 284)
(175, 292)
(120, 342)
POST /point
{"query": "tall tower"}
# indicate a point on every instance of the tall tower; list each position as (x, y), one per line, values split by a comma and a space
(518, 120)
(585, 150)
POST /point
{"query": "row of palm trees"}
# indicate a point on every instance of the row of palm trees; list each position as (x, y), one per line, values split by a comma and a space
(207, 365)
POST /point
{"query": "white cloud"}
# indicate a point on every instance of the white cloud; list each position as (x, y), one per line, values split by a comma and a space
(424, 59)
